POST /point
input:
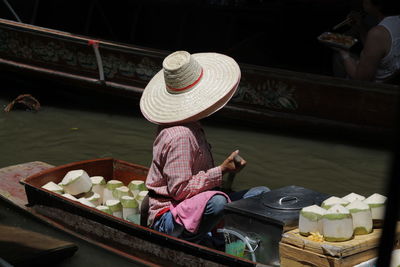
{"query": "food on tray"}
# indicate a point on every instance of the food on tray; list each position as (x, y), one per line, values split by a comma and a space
(51, 186)
(337, 224)
(310, 220)
(362, 217)
(377, 204)
(330, 202)
(353, 197)
(338, 40)
(76, 182)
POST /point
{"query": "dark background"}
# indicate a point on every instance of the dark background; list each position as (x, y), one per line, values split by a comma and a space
(272, 33)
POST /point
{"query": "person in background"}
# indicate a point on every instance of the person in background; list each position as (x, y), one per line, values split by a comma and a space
(183, 182)
(379, 59)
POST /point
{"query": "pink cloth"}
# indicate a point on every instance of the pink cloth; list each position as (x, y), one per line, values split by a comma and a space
(182, 167)
(189, 212)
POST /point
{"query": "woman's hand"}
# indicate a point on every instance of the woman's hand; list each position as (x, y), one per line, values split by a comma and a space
(234, 163)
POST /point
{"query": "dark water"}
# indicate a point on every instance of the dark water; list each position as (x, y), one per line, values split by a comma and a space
(69, 129)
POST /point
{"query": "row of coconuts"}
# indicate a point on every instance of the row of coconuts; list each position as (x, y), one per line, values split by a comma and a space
(339, 219)
(112, 197)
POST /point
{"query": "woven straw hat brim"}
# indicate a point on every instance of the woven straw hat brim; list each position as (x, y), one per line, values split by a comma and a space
(221, 75)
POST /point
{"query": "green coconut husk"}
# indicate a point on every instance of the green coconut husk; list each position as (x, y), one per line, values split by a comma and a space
(361, 231)
(312, 216)
(129, 202)
(120, 192)
(104, 209)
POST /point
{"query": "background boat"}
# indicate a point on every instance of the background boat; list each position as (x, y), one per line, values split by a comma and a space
(273, 92)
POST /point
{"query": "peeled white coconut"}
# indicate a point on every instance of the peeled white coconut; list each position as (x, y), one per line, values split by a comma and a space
(115, 207)
(120, 191)
(110, 186)
(129, 206)
(76, 182)
(86, 202)
(141, 196)
(395, 260)
(98, 185)
(136, 186)
(94, 198)
(69, 196)
(337, 224)
(104, 209)
(362, 217)
(332, 201)
(353, 197)
(51, 186)
(377, 204)
(310, 220)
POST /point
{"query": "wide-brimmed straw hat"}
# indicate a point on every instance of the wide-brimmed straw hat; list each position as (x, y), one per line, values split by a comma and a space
(189, 87)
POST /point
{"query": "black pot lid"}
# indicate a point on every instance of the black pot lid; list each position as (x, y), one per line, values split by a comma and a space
(294, 199)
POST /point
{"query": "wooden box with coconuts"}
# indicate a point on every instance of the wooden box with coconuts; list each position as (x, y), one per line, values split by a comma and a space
(341, 232)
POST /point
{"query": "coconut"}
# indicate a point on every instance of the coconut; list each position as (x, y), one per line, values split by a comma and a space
(99, 183)
(69, 196)
(76, 182)
(310, 220)
(53, 187)
(86, 202)
(129, 206)
(362, 217)
(120, 191)
(110, 186)
(377, 204)
(94, 198)
(141, 196)
(395, 260)
(104, 209)
(115, 207)
(337, 224)
(136, 186)
(353, 197)
(332, 201)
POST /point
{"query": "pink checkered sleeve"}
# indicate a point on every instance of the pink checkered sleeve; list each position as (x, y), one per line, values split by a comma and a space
(180, 161)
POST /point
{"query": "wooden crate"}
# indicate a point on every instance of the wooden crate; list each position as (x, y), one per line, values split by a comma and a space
(296, 250)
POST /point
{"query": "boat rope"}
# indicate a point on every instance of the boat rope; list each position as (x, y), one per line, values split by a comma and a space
(12, 10)
(95, 45)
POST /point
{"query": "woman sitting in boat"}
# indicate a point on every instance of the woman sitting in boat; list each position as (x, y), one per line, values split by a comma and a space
(380, 58)
(182, 180)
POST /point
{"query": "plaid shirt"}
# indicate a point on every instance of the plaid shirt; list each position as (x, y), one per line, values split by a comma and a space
(182, 167)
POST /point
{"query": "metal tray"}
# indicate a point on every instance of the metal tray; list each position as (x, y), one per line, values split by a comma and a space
(332, 43)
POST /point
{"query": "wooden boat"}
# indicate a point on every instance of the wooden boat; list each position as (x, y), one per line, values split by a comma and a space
(127, 239)
(268, 97)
